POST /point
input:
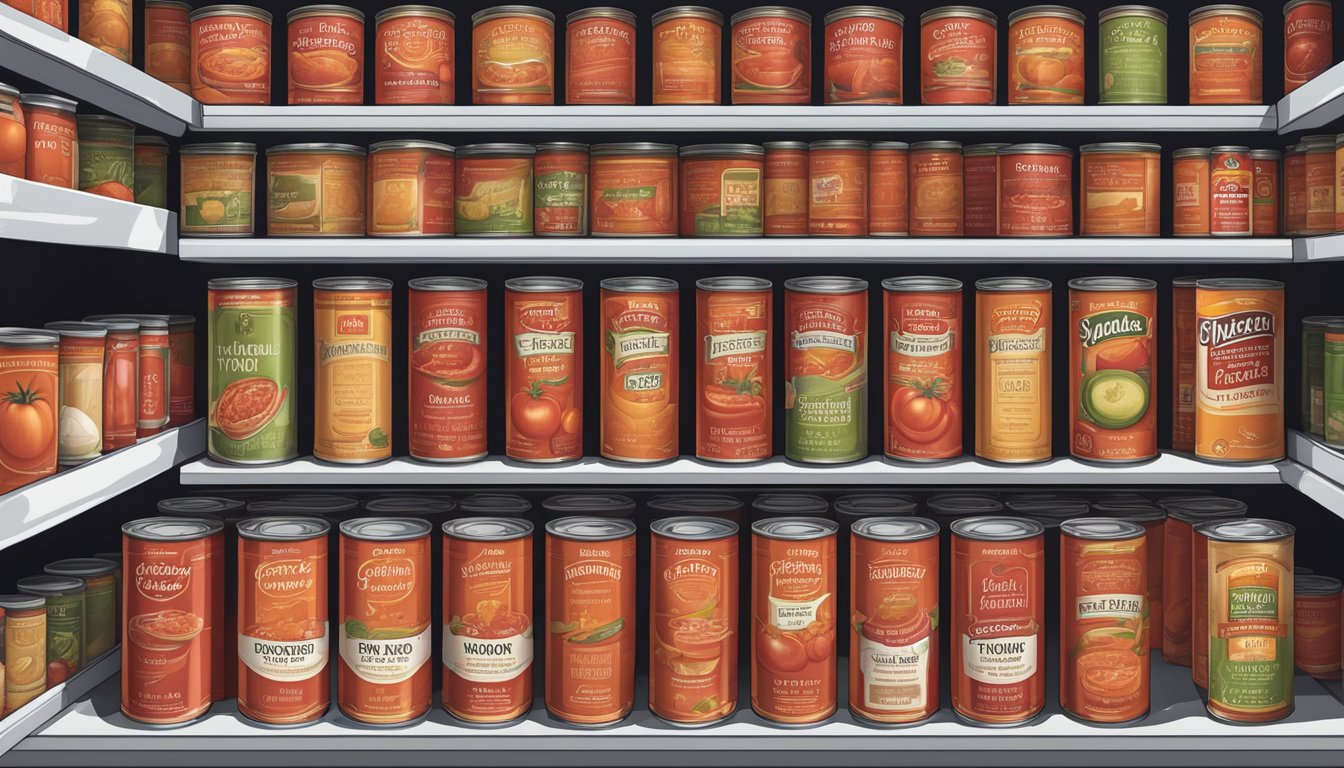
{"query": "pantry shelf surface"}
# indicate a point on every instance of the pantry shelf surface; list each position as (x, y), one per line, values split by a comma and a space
(1316, 470)
(33, 715)
(1317, 103)
(71, 66)
(37, 212)
(1319, 248)
(36, 507)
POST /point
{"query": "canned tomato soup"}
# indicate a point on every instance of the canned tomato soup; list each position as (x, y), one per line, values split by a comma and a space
(121, 381)
(1307, 41)
(151, 171)
(1180, 593)
(99, 577)
(410, 188)
(1012, 371)
(771, 56)
(1320, 179)
(888, 189)
(826, 392)
(52, 155)
(1226, 55)
(923, 375)
(487, 619)
(493, 194)
(1153, 519)
(1316, 625)
(734, 368)
(1045, 55)
(543, 374)
(1239, 370)
(1231, 176)
(634, 189)
(980, 189)
(600, 56)
(106, 156)
(640, 376)
(958, 52)
(590, 607)
(326, 55)
(316, 189)
(156, 371)
(1190, 191)
(182, 347)
(1295, 189)
(838, 182)
(793, 628)
(863, 55)
(721, 190)
(352, 357)
(693, 610)
(14, 148)
(217, 183)
(447, 369)
(1183, 345)
(513, 55)
(936, 189)
(1113, 367)
(1035, 197)
(1265, 188)
(787, 188)
(687, 55)
(231, 55)
(1120, 189)
(81, 391)
(560, 189)
(1133, 55)
(413, 56)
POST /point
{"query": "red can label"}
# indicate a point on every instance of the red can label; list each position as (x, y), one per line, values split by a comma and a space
(923, 359)
(1230, 181)
(447, 371)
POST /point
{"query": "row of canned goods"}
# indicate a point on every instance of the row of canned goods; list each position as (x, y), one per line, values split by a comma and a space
(76, 390)
(989, 589)
(1323, 378)
(1313, 171)
(1227, 369)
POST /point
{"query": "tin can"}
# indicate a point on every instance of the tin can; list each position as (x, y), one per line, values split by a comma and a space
(316, 190)
(826, 392)
(1312, 376)
(1113, 368)
(231, 55)
(487, 619)
(980, 189)
(53, 12)
(1013, 370)
(600, 56)
(168, 631)
(1239, 370)
(413, 56)
(687, 55)
(410, 188)
(771, 56)
(121, 380)
(251, 345)
(1190, 174)
(1316, 625)
(25, 644)
(1035, 197)
(1332, 384)
(590, 603)
(30, 386)
(1179, 571)
(1120, 189)
(544, 372)
(1226, 55)
(634, 189)
(640, 377)
(853, 507)
(1133, 55)
(787, 188)
(217, 182)
(1153, 519)
(106, 25)
(863, 55)
(793, 628)
(888, 189)
(1295, 189)
(81, 391)
(447, 371)
(326, 55)
(384, 675)
(958, 52)
(1265, 186)
(772, 505)
(734, 369)
(155, 375)
(721, 190)
(106, 157)
(716, 505)
(14, 147)
(352, 354)
(182, 353)
(893, 650)
(561, 189)
(1045, 55)
(693, 612)
(838, 184)
(493, 196)
(151, 171)
(513, 55)
(923, 399)
(1250, 620)
(1307, 41)
(494, 505)
(1321, 178)
(1339, 183)
(282, 620)
(65, 623)
(998, 620)
(936, 189)
(52, 155)
(1104, 676)
(1184, 331)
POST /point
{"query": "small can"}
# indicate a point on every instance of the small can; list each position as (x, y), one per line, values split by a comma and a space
(721, 190)
(384, 677)
(14, 151)
(326, 55)
(284, 633)
(1184, 601)
(121, 381)
(687, 55)
(923, 376)
(107, 25)
(838, 188)
(1307, 41)
(634, 189)
(448, 379)
(65, 623)
(693, 634)
(888, 189)
(151, 171)
(352, 356)
(1013, 370)
(493, 195)
(1332, 383)
(640, 377)
(980, 189)
(156, 370)
(958, 53)
(1250, 635)
(1316, 625)
(30, 382)
(1190, 192)
(998, 620)
(182, 351)
(853, 507)
(107, 157)
(600, 56)
(1133, 55)
(217, 182)
(1153, 519)
(1120, 189)
(1295, 189)
(316, 190)
(1227, 50)
(52, 155)
(734, 369)
(81, 387)
(413, 56)
(1312, 394)
(231, 55)
(25, 646)
(513, 55)
(53, 12)
(863, 55)
(1265, 186)
(487, 619)
(826, 389)
(1183, 346)
(936, 184)
(167, 619)
(1321, 179)
(771, 56)
(1239, 370)
(410, 188)
(1035, 197)
(251, 349)
(893, 650)
(787, 185)
(1045, 55)
(560, 196)
(716, 505)
(590, 607)
(543, 375)
(793, 627)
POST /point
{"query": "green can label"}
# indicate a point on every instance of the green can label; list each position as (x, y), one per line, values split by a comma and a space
(1250, 630)
(494, 196)
(1313, 380)
(561, 202)
(65, 630)
(1331, 408)
(727, 203)
(100, 616)
(151, 176)
(107, 163)
(1133, 60)
(251, 342)
(826, 395)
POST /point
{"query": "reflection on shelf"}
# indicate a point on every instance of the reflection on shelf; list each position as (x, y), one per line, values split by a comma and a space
(41, 213)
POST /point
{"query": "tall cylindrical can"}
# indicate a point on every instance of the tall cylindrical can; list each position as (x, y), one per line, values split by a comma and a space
(1183, 345)
(687, 55)
(156, 370)
(640, 360)
(1316, 625)
(121, 381)
(771, 56)
(1045, 55)
(52, 154)
(25, 644)
(1295, 189)
(936, 184)
(326, 55)
(1231, 177)
(30, 369)
(958, 55)
(83, 346)
(1120, 189)
(1182, 601)
(447, 369)
(837, 205)
(182, 354)
(1153, 518)
(413, 55)
(513, 55)
(1307, 41)
(826, 389)
(352, 354)
(863, 53)
(543, 372)
(787, 188)
(1239, 370)
(1320, 179)
(151, 171)
(1266, 184)
(65, 601)
(560, 195)
(1012, 371)
(734, 369)
(1227, 52)
(980, 189)
(1035, 196)
(590, 612)
(99, 577)
(1190, 192)
(600, 56)
(888, 189)
(1133, 55)
(923, 399)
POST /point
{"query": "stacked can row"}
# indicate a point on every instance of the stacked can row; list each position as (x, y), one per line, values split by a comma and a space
(1314, 183)
(1322, 378)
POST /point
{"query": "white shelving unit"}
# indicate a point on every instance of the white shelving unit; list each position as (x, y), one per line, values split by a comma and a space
(40, 213)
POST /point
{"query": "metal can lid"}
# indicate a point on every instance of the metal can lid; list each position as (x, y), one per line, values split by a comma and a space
(1013, 284)
(1049, 509)
(996, 528)
(1238, 284)
(395, 144)
(325, 10)
(1186, 281)
(230, 10)
(1035, 148)
(1034, 11)
(397, 506)
(939, 145)
(1335, 326)
(1101, 529)
(142, 140)
(922, 284)
(81, 567)
(1315, 584)
(447, 284)
(844, 144)
(352, 283)
(48, 101)
(620, 14)
(9, 91)
(591, 528)
(488, 528)
(47, 584)
(1193, 509)
(719, 150)
(1291, 4)
(198, 505)
(1112, 283)
(306, 504)
(1230, 149)
(640, 285)
(181, 321)
(499, 11)
(1316, 143)
(962, 505)
(575, 504)
(147, 323)
(561, 146)
(1320, 321)
(688, 11)
(386, 528)
(1225, 10)
(104, 121)
(826, 284)
(1266, 154)
(77, 329)
(789, 504)
(172, 528)
(219, 148)
(633, 148)
(28, 337)
(895, 528)
(283, 528)
(316, 147)
(694, 528)
(733, 283)
(780, 145)
(1132, 10)
(889, 146)
(496, 149)
(772, 11)
(948, 11)
(1135, 512)
(983, 150)
(1251, 529)
(398, 11)
(22, 602)
(795, 528)
(868, 504)
(1119, 146)
(1177, 154)
(694, 503)
(493, 504)
(543, 284)
(864, 11)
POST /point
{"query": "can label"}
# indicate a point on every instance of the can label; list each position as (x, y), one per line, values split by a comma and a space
(1239, 375)
(733, 375)
(1045, 61)
(826, 394)
(107, 27)
(411, 192)
(30, 386)
(1133, 60)
(1035, 196)
(317, 193)
(494, 196)
(414, 57)
(1013, 376)
(107, 163)
(1177, 591)
(1230, 184)
(980, 195)
(65, 635)
(1113, 365)
(353, 380)
(326, 59)
(720, 197)
(182, 396)
(1320, 177)
(1183, 345)
(687, 53)
(1331, 407)
(1121, 193)
(1307, 43)
(639, 375)
(81, 400)
(251, 379)
(1316, 635)
(1190, 196)
(958, 55)
(448, 390)
(52, 155)
(838, 203)
(634, 195)
(1226, 58)
(232, 57)
(936, 192)
(513, 60)
(25, 657)
(1199, 609)
(600, 62)
(1250, 633)
(1265, 198)
(156, 371)
(923, 366)
(772, 61)
(888, 192)
(560, 205)
(793, 649)
(544, 375)
(863, 61)
(786, 191)
(217, 193)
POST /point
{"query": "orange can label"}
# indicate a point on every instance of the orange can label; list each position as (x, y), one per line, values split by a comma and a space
(1113, 369)
(513, 60)
(687, 56)
(544, 374)
(863, 60)
(923, 369)
(53, 12)
(326, 58)
(1316, 635)
(411, 192)
(1230, 180)
(786, 190)
(1177, 587)
(733, 373)
(155, 383)
(888, 191)
(52, 154)
(121, 389)
(231, 55)
(413, 57)
(634, 195)
(1183, 334)
(1035, 194)
(1265, 205)
(1226, 57)
(1239, 373)
(1307, 43)
(168, 44)
(772, 60)
(1295, 191)
(1120, 193)
(980, 195)
(353, 379)
(957, 56)
(182, 394)
(936, 192)
(600, 61)
(448, 390)
(1320, 175)
(1012, 375)
(838, 203)
(1199, 608)
(639, 371)
(107, 26)
(29, 383)
(1190, 195)
(1045, 60)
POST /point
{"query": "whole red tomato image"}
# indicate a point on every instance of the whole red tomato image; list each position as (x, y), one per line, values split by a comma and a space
(534, 413)
(780, 651)
(920, 411)
(27, 421)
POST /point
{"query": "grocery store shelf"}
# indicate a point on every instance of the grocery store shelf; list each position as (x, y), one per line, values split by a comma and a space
(35, 508)
(1314, 104)
(37, 712)
(41, 213)
(782, 250)
(43, 53)
(1319, 248)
